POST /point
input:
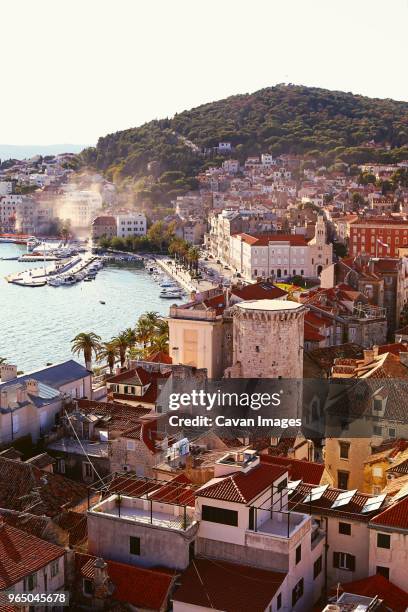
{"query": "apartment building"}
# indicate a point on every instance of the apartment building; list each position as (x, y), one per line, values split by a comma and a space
(29, 564)
(389, 542)
(131, 224)
(31, 403)
(103, 226)
(244, 518)
(279, 256)
(378, 236)
(144, 521)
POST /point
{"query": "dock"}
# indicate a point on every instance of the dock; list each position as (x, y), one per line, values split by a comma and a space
(38, 277)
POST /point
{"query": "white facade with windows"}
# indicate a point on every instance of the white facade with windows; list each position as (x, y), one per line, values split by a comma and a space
(132, 224)
(278, 256)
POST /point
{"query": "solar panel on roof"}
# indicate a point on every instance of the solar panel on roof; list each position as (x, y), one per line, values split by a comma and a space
(373, 503)
(292, 485)
(315, 494)
(344, 498)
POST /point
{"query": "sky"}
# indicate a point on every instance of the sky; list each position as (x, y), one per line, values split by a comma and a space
(80, 69)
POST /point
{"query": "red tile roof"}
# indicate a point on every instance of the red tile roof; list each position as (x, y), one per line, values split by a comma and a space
(395, 516)
(228, 586)
(308, 471)
(258, 291)
(311, 334)
(241, 487)
(142, 588)
(395, 348)
(159, 357)
(177, 491)
(323, 505)
(75, 524)
(27, 488)
(264, 240)
(135, 376)
(22, 554)
(393, 597)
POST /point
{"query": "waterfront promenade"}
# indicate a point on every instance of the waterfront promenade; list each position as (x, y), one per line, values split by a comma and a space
(182, 276)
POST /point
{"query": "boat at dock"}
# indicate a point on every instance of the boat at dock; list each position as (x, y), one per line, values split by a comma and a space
(171, 293)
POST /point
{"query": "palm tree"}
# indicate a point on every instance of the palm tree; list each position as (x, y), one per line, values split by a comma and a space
(144, 331)
(151, 316)
(130, 335)
(160, 344)
(86, 343)
(122, 344)
(109, 352)
(162, 328)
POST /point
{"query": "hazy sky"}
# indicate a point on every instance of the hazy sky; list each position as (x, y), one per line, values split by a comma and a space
(79, 69)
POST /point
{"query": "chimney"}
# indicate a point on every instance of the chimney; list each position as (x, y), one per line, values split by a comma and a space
(8, 372)
(3, 398)
(375, 350)
(32, 386)
(21, 394)
(368, 356)
(100, 572)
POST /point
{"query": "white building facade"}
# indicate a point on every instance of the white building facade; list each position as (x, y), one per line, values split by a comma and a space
(131, 224)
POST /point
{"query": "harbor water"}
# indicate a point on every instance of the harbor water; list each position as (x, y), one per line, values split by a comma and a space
(37, 324)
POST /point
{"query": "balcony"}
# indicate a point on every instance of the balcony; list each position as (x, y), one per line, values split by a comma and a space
(146, 512)
(280, 532)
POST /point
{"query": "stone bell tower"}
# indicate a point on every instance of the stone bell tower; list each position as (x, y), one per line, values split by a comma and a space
(268, 339)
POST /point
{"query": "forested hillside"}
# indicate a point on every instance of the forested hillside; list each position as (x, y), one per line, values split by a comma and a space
(329, 125)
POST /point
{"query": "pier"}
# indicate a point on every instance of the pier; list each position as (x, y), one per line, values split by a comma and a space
(38, 277)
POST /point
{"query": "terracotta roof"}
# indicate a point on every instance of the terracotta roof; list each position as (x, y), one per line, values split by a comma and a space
(142, 588)
(22, 554)
(30, 523)
(104, 221)
(25, 487)
(119, 416)
(393, 597)
(258, 291)
(323, 505)
(227, 586)
(241, 487)
(136, 376)
(264, 240)
(159, 357)
(311, 334)
(396, 516)
(324, 357)
(75, 524)
(177, 491)
(395, 348)
(308, 471)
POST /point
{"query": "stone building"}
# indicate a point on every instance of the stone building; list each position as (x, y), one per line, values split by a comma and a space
(267, 339)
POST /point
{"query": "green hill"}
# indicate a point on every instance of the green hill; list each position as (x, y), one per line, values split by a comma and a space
(328, 125)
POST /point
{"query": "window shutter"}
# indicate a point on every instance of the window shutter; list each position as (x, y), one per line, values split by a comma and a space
(336, 559)
(351, 562)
